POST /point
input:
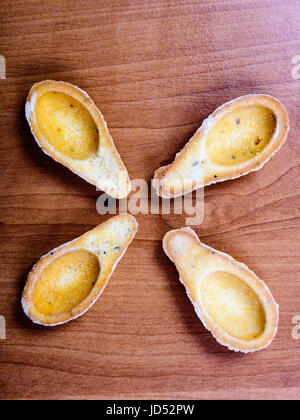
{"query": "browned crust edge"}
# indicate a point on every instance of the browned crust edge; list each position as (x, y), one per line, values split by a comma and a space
(259, 286)
(74, 91)
(97, 290)
(224, 174)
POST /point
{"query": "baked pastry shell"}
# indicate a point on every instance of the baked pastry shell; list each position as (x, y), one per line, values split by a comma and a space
(212, 172)
(106, 144)
(99, 243)
(271, 309)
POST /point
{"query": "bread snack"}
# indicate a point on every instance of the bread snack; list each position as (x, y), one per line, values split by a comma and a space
(68, 126)
(237, 138)
(67, 281)
(231, 301)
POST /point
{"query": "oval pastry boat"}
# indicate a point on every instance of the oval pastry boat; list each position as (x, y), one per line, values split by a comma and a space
(239, 137)
(69, 127)
(67, 281)
(230, 300)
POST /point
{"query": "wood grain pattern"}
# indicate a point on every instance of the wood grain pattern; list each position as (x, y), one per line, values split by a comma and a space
(156, 69)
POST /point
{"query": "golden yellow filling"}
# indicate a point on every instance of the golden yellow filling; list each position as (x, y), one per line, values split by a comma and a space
(67, 125)
(240, 135)
(66, 282)
(233, 305)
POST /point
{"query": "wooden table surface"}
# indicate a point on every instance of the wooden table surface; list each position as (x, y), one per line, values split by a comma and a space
(156, 69)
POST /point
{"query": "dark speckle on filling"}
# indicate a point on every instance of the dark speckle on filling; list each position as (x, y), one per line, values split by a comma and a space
(257, 140)
(195, 163)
